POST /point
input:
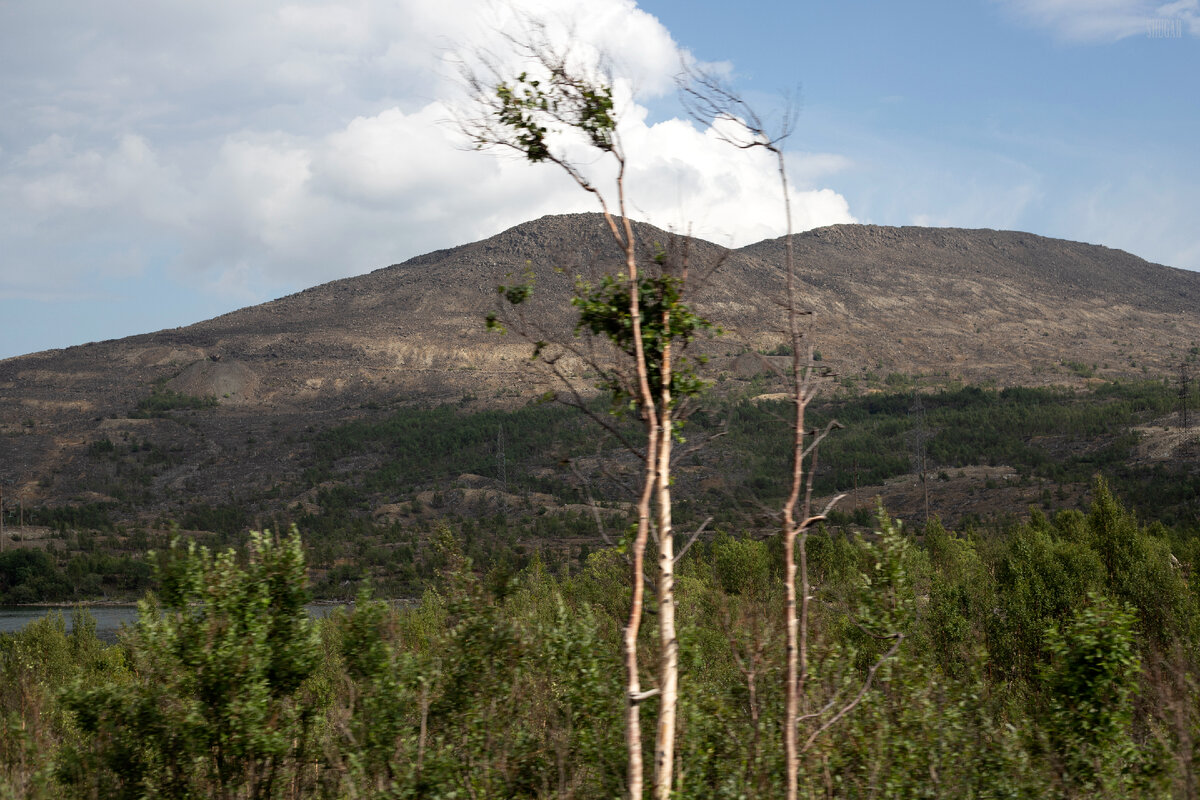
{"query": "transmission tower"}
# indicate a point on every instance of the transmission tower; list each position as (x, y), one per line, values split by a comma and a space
(501, 467)
(1185, 391)
(920, 435)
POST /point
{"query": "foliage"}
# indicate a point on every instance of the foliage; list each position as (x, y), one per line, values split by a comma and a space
(32, 575)
(1048, 436)
(228, 519)
(1051, 436)
(1052, 661)
(92, 516)
(217, 706)
(1089, 683)
(162, 400)
(1054, 434)
(35, 663)
(424, 447)
(665, 321)
(29, 575)
(529, 105)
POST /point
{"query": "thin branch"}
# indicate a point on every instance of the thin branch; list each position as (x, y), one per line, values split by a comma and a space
(592, 505)
(708, 100)
(833, 425)
(578, 402)
(692, 540)
(866, 687)
(812, 468)
(643, 696)
(813, 520)
(679, 455)
(621, 483)
(822, 711)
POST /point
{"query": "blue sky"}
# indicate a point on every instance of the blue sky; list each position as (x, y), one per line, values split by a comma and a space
(983, 114)
(164, 163)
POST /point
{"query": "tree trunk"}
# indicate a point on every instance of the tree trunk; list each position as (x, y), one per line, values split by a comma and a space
(668, 643)
(633, 725)
(633, 686)
(797, 630)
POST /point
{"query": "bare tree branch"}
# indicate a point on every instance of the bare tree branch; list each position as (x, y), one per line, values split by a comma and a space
(862, 692)
(692, 540)
(813, 520)
(595, 509)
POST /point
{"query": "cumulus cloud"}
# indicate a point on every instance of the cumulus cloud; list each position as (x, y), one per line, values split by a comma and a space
(1109, 20)
(248, 148)
(1149, 213)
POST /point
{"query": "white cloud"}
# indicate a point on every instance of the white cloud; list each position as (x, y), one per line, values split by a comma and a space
(250, 148)
(1148, 213)
(66, 178)
(1108, 20)
(692, 179)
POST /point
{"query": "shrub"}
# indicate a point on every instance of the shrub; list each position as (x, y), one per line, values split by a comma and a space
(215, 705)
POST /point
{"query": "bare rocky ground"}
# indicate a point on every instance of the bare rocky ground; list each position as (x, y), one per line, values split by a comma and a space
(968, 494)
(1002, 307)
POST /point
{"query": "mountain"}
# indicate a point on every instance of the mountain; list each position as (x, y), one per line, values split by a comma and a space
(975, 305)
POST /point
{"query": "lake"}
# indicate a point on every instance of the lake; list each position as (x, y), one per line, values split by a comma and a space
(109, 619)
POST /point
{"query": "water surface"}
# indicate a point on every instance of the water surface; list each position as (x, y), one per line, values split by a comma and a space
(109, 619)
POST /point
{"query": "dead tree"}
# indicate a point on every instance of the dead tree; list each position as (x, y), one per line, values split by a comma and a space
(711, 103)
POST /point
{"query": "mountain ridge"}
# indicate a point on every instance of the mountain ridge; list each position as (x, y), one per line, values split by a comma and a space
(976, 305)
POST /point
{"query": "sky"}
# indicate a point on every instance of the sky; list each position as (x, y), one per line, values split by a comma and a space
(163, 163)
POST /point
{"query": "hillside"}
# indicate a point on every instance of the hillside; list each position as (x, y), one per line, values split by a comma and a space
(976, 305)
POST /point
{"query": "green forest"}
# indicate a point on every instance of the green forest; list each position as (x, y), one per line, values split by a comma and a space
(1054, 439)
(1057, 660)
(1047, 654)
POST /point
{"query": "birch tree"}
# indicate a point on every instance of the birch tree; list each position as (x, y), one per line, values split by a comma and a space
(555, 104)
(712, 103)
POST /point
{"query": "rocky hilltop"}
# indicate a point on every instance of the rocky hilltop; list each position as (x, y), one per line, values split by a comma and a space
(980, 305)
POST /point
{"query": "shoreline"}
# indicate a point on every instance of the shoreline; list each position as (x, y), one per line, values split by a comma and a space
(57, 604)
(76, 604)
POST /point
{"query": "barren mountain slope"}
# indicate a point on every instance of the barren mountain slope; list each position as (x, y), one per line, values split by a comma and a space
(1012, 307)
(984, 304)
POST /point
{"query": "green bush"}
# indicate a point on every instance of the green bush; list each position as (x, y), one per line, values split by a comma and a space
(217, 706)
(1090, 682)
(163, 400)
